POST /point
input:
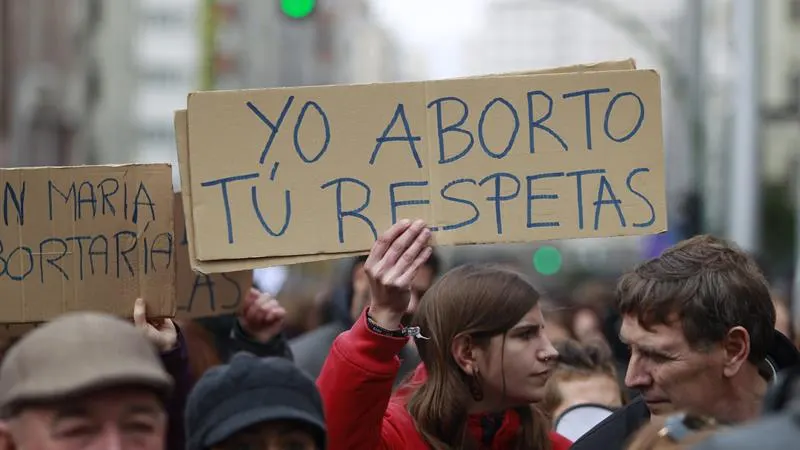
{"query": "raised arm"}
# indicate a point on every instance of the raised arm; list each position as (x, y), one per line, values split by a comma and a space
(356, 380)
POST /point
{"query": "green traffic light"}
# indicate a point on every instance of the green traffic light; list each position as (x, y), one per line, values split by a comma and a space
(298, 9)
(547, 260)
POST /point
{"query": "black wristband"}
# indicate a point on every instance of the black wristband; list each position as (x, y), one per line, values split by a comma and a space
(373, 326)
(403, 332)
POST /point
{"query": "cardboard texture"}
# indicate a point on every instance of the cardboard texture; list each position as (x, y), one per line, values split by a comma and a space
(200, 295)
(511, 158)
(9, 331)
(182, 143)
(86, 238)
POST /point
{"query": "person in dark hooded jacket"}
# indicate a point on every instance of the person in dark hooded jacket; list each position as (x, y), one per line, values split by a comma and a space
(346, 304)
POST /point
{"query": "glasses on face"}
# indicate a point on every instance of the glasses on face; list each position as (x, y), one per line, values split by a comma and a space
(679, 426)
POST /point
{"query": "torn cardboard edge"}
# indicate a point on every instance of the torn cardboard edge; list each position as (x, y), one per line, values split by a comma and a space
(230, 265)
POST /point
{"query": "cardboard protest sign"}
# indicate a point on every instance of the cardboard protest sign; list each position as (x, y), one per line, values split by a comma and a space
(560, 155)
(182, 143)
(202, 295)
(181, 140)
(86, 238)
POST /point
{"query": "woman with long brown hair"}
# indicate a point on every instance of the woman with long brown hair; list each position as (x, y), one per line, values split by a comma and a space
(485, 359)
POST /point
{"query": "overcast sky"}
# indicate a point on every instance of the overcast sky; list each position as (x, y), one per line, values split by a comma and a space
(435, 26)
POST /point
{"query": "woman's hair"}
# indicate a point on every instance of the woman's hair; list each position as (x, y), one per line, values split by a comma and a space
(201, 350)
(576, 361)
(480, 301)
(658, 436)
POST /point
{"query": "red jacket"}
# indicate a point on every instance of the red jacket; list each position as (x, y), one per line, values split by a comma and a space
(360, 411)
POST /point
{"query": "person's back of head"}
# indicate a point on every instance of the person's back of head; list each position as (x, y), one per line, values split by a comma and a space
(484, 349)
(585, 374)
(253, 403)
(83, 380)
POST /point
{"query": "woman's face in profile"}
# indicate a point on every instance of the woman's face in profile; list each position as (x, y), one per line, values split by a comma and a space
(517, 365)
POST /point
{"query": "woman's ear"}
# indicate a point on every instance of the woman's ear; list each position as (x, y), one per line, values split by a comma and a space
(463, 349)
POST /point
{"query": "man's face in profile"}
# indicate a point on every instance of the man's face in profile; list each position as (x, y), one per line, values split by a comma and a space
(670, 374)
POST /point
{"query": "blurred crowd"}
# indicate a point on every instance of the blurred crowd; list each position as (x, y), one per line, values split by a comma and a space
(399, 351)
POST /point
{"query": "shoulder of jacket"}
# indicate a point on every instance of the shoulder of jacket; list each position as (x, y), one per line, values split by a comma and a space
(620, 418)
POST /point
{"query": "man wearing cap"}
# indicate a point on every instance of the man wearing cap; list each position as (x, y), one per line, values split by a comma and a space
(255, 403)
(700, 325)
(83, 381)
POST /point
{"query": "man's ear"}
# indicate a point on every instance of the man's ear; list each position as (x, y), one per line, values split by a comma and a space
(736, 347)
(463, 349)
(6, 440)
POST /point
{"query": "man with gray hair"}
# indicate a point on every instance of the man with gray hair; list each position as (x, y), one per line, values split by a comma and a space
(83, 381)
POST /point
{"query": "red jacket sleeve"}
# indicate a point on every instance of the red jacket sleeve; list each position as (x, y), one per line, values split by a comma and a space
(356, 385)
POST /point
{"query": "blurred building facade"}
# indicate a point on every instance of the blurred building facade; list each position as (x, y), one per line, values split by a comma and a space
(92, 81)
(48, 80)
(780, 79)
(254, 45)
(148, 55)
(524, 35)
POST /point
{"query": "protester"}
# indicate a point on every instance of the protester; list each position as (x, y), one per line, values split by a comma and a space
(85, 381)
(699, 321)
(347, 303)
(256, 328)
(170, 342)
(585, 374)
(486, 358)
(255, 403)
(676, 432)
(246, 331)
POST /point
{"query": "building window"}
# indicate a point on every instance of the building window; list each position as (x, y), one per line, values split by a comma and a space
(162, 76)
(163, 18)
(156, 135)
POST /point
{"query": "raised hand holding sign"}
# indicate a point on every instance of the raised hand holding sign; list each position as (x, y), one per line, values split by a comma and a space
(391, 266)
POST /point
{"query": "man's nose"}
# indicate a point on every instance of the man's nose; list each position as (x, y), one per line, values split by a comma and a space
(111, 439)
(549, 352)
(637, 375)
